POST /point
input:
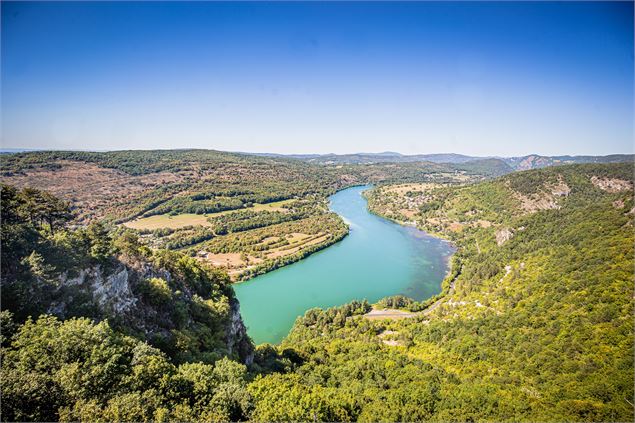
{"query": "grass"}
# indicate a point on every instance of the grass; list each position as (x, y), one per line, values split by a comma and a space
(166, 221)
(188, 219)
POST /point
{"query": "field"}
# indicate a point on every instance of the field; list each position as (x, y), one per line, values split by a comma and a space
(249, 253)
(188, 219)
(274, 248)
(166, 221)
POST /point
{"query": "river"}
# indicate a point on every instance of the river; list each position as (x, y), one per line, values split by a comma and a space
(378, 258)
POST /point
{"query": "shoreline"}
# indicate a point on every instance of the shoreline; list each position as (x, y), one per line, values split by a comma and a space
(315, 250)
(444, 251)
(453, 268)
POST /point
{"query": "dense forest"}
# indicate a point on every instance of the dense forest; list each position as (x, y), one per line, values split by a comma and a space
(101, 323)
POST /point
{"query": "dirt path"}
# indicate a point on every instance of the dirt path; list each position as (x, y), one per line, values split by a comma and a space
(392, 313)
(388, 313)
(438, 302)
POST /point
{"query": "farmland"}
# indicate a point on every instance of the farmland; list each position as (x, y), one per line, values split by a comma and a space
(189, 219)
(246, 214)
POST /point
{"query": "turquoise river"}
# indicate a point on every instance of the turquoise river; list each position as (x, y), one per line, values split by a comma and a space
(377, 259)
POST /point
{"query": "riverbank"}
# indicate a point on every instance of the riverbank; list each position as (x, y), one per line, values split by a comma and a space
(377, 259)
(447, 285)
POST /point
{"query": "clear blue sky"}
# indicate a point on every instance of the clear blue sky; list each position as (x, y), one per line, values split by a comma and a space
(473, 78)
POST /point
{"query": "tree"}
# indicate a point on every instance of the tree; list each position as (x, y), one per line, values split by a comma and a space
(101, 242)
(38, 266)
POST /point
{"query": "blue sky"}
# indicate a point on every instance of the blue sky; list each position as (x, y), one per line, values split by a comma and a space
(474, 78)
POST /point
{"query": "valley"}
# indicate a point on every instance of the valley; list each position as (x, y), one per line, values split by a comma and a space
(247, 214)
(317, 211)
(377, 259)
(350, 300)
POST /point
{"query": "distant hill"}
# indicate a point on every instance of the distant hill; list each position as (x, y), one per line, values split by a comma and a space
(489, 167)
(535, 161)
(531, 161)
(385, 157)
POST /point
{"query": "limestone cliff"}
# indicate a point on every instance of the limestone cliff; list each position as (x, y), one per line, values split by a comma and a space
(182, 322)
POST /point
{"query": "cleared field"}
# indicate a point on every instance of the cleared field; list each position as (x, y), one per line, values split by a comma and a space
(236, 262)
(252, 252)
(166, 221)
(294, 248)
(404, 188)
(274, 206)
(187, 219)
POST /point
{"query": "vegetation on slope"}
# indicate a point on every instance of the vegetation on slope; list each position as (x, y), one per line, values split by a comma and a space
(537, 327)
(170, 300)
(81, 371)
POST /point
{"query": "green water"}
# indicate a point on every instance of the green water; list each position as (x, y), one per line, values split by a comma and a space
(377, 259)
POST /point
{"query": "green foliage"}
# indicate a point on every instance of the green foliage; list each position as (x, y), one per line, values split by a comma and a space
(155, 290)
(67, 273)
(77, 370)
(101, 243)
(246, 220)
(397, 301)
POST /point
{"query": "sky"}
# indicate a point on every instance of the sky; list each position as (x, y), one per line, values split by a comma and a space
(489, 78)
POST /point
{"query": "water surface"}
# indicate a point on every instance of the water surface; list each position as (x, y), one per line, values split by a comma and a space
(377, 259)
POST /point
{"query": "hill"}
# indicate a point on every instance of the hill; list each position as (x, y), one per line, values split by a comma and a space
(534, 161)
(535, 324)
(388, 156)
(167, 299)
(530, 161)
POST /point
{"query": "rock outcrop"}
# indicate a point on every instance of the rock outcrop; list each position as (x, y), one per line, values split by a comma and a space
(611, 184)
(113, 292)
(503, 235)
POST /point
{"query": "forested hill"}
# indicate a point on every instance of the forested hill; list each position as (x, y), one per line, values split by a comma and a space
(536, 324)
(175, 302)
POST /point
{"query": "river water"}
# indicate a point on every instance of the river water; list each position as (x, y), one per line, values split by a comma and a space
(378, 258)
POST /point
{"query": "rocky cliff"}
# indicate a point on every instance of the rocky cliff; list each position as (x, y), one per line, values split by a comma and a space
(153, 304)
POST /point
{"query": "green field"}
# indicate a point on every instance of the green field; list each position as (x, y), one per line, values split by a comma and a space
(189, 219)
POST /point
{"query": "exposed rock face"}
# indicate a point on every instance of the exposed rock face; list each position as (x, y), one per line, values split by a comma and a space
(545, 199)
(113, 291)
(534, 203)
(611, 185)
(237, 338)
(561, 189)
(110, 291)
(503, 235)
(533, 161)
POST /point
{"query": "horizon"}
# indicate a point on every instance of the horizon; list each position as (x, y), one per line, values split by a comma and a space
(12, 150)
(479, 79)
